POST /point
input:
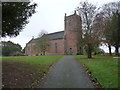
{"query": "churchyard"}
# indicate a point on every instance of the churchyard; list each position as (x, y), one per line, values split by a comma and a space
(71, 58)
(27, 71)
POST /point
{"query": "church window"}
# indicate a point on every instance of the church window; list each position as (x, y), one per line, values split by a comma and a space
(34, 47)
(56, 47)
(28, 48)
(49, 47)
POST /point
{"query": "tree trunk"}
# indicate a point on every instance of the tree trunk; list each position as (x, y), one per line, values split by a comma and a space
(89, 55)
(117, 50)
(109, 46)
(89, 51)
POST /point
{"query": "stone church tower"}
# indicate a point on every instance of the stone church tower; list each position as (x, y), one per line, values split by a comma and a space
(72, 34)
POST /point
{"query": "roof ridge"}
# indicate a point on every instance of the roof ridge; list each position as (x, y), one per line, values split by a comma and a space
(55, 32)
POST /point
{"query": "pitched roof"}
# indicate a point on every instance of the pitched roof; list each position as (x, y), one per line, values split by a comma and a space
(56, 35)
(33, 40)
(51, 36)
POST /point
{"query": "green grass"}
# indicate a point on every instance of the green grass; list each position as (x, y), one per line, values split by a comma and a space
(41, 63)
(104, 68)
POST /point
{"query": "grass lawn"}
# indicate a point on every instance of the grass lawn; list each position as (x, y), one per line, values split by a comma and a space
(40, 63)
(104, 68)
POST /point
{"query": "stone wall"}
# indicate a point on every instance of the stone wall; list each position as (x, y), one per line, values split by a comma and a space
(53, 50)
(31, 49)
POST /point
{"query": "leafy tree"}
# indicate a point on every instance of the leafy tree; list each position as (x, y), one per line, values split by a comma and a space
(107, 11)
(112, 31)
(15, 16)
(23, 50)
(9, 48)
(0, 19)
(90, 39)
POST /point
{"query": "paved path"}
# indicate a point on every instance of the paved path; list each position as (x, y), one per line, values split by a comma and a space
(66, 73)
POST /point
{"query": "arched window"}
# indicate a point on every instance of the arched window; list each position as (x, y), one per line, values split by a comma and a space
(71, 52)
(56, 48)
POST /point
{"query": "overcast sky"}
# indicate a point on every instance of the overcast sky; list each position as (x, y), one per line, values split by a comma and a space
(49, 17)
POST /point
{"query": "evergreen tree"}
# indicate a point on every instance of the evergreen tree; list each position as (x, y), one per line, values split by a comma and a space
(15, 16)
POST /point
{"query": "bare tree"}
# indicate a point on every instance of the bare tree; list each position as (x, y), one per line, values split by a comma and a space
(90, 39)
(42, 33)
(43, 42)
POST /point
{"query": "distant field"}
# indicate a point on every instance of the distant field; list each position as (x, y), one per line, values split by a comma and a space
(104, 68)
(18, 70)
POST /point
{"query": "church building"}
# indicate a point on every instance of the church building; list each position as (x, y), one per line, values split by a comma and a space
(63, 42)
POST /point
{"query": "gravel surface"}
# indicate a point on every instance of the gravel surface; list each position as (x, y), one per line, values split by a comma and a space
(66, 73)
